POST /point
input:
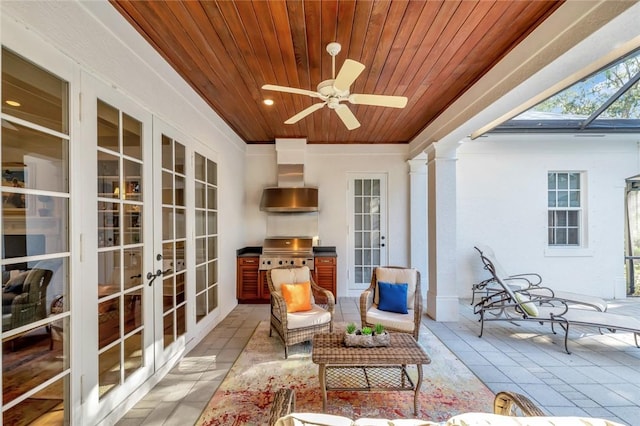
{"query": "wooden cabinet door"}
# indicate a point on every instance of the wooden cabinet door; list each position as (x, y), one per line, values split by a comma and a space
(248, 283)
(324, 274)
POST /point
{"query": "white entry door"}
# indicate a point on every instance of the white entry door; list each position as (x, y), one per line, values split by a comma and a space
(367, 236)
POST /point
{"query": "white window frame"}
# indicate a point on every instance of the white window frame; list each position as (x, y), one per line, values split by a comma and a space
(580, 209)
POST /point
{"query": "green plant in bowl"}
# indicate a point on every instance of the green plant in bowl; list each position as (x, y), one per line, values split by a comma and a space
(351, 328)
(367, 331)
(379, 328)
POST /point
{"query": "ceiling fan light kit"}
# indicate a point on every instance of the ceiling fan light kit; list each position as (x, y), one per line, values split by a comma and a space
(336, 90)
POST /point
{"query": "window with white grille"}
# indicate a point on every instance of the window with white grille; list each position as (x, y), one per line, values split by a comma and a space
(565, 215)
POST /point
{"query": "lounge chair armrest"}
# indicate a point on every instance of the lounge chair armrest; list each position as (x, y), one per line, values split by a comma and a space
(541, 292)
(482, 284)
(489, 304)
(533, 278)
(520, 281)
(560, 304)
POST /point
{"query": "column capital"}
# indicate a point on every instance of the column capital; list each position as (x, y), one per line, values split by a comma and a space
(418, 166)
(441, 151)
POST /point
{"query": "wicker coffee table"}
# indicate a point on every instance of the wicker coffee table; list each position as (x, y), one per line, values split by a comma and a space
(368, 369)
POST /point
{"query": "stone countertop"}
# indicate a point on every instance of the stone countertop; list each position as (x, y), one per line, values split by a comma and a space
(328, 251)
(249, 251)
(252, 251)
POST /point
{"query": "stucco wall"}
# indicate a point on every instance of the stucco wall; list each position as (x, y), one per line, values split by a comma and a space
(328, 167)
(502, 202)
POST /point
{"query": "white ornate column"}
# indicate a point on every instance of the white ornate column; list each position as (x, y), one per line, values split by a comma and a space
(442, 297)
(418, 224)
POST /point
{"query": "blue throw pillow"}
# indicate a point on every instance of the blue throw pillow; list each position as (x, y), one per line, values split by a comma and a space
(392, 297)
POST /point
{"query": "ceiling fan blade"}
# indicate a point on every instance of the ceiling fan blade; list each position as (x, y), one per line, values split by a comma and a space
(291, 90)
(302, 114)
(347, 117)
(378, 100)
(347, 75)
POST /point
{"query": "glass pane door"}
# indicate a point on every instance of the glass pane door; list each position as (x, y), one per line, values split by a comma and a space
(187, 211)
(35, 263)
(367, 236)
(120, 247)
(174, 235)
(206, 211)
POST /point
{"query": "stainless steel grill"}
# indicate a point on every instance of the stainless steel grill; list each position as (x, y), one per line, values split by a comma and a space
(282, 251)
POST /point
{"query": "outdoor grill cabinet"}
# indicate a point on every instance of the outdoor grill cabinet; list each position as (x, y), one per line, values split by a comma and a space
(324, 274)
(251, 282)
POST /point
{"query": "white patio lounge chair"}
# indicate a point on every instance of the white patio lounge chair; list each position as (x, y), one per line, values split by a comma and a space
(515, 305)
(532, 282)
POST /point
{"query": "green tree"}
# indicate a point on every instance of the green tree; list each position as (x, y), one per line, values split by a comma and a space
(586, 96)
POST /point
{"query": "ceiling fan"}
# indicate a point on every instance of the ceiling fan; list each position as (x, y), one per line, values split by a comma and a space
(336, 90)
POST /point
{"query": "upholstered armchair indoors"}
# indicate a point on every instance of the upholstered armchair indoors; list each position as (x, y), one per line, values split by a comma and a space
(294, 314)
(393, 299)
(30, 305)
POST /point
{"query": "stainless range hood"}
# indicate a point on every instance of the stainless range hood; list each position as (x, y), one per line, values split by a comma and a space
(289, 200)
(291, 195)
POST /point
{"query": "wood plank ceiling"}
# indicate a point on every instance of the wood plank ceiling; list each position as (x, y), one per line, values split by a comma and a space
(428, 51)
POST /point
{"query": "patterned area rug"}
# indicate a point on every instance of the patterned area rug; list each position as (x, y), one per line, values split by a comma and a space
(245, 395)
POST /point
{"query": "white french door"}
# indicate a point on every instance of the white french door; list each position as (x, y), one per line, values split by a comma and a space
(172, 193)
(367, 236)
(155, 275)
(119, 245)
(186, 218)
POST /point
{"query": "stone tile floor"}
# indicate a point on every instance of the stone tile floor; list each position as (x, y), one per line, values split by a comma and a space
(601, 377)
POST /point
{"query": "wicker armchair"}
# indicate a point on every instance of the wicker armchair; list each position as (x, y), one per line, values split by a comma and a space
(505, 403)
(370, 315)
(297, 327)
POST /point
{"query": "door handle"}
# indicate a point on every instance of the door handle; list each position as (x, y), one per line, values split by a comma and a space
(151, 276)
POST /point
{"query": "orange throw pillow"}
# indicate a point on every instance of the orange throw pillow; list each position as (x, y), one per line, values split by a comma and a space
(297, 296)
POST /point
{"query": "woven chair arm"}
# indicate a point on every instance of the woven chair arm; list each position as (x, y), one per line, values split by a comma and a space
(508, 404)
(331, 300)
(284, 402)
(279, 308)
(366, 301)
(417, 311)
(417, 307)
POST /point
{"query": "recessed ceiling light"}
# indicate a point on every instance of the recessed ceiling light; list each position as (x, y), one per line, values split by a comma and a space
(13, 103)
(268, 102)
